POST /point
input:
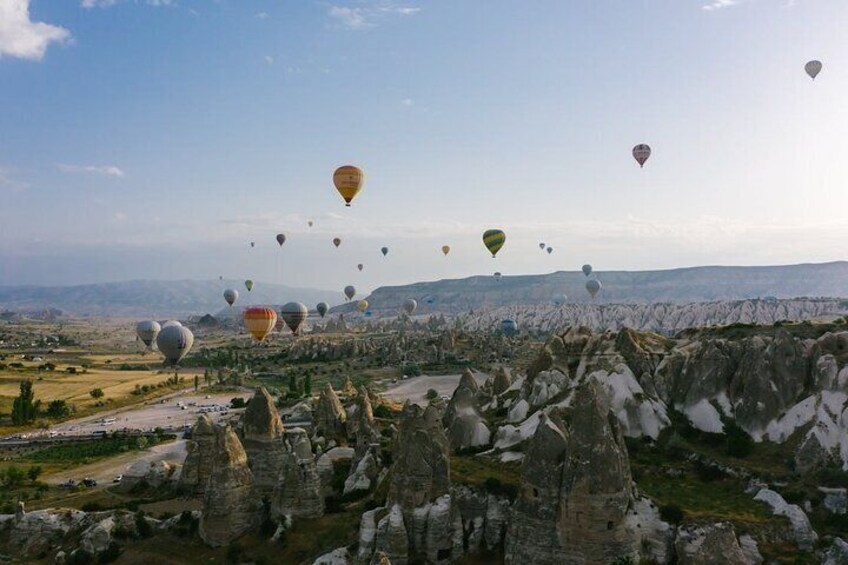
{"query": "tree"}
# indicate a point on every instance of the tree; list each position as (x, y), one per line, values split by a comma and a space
(25, 407)
(96, 393)
(432, 394)
(33, 473)
(196, 382)
(58, 409)
(292, 384)
(307, 385)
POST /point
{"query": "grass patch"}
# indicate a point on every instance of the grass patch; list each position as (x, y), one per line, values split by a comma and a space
(82, 453)
(475, 471)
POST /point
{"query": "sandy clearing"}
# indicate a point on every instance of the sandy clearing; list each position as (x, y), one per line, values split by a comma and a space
(415, 389)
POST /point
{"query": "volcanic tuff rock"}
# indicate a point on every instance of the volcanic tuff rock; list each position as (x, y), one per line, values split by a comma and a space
(421, 463)
(501, 381)
(705, 545)
(152, 474)
(330, 415)
(299, 490)
(229, 504)
(805, 536)
(200, 457)
(262, 437)
(360, 420)
(391, 537)
(532, 536)
(466, 426)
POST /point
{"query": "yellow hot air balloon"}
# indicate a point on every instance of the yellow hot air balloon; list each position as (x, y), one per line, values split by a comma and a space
(348, 180)
(494, 240)
(445, 249)
(259, 321)
(362, 305)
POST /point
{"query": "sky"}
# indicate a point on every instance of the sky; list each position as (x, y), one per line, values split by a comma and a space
(157, 138)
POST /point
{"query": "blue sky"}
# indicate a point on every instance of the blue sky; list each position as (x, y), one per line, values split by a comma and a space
(156, 139)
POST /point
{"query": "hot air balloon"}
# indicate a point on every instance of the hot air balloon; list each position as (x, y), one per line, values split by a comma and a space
(259, 321)
(170, 323)
(813, 68)
(337, 241)
(509, 327)
(253, 244)
(350, 291)
(322, 308)
(409, 306)
(560, 299)
(550, 250)
(248, 284)
(220, 277)
(494, 240)
(498, 276)
(430, 300)
(362, 305)
(445, 249)
(384, 251)
(281, 238)
(294, 313)
(587, 269)
(309, 223)
(231, 295)
(174, 343)
(593, 286)
(542, 245)
(147, 331)
(348, 180)
(360, 266)
(641, 153)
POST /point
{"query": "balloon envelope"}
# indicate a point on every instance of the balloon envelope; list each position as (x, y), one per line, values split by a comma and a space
(259, 321)
(384, 251)
(248, 284)
(348, 180)
(509, 327)
(587, 269)
(294, 313)
(252, 244)
(445, 249)
(231, 295)
(281, 238)
(322, 308)
(813, 68)
(641, 153)
(550, 250)
(498, 276)
(541, 245)
(494, 240)
(409, 306)
(360, 266)
(147, 331)
(337, 241)
(350, 291)
(362, 305)
(309, 223)
(174, 343)
(170, 323)
(593, 286)
(560, 299)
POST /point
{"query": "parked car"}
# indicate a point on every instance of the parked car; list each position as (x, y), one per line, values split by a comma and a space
(118, 479)
(89, 482)
(70, 483)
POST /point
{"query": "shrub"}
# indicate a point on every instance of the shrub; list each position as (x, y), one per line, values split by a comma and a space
(238, 402)
(110, 554)
(92, 507)
(432, 394)
(738, 442)
(382, 411)
(671, 513)
(145, 530)
(234, 552)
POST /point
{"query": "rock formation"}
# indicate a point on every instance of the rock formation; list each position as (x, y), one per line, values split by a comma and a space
(299, 491)
(262, 437)
(705, 545)
(501, 381)
(330, 415)
(200, 457)
(230, 500)
(421, 464)
(145, 474)
(465, 425)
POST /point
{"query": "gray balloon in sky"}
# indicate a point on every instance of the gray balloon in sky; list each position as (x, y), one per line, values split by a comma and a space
(593, 286)
(147, 331)
(587, 269)
(409, 306)
(350, 291)
(174, 343)
(170, 323)
(231, 295)
(294, 313)
(813, 68)
(322, 308)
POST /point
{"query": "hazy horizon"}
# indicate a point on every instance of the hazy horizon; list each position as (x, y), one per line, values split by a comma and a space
(158, 139)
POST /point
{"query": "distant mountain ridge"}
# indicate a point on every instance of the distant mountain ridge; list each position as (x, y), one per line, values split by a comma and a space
(154, 299)
(674, 286)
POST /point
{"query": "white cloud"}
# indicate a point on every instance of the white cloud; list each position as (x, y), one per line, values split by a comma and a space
(109, 3)
(9, 182)
(366, 16)
(719, 4)
(103, 170)
(269, 59)
(262, 15)
(22, 38)
(407, 102)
